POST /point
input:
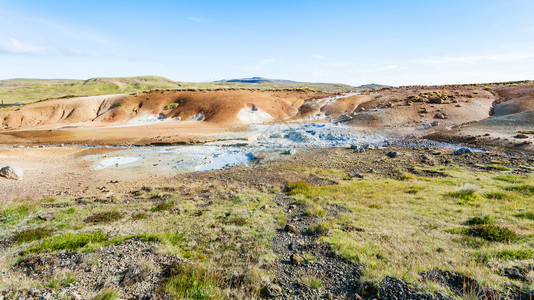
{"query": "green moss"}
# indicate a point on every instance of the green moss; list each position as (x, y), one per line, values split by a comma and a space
(497, 167)
(162, 206)
(171, 106)
(14, 214)
(529, 215)
(105, 217)
(71, 241)
(522, 188)
(33, 234)
(496, 195)
(139, 216)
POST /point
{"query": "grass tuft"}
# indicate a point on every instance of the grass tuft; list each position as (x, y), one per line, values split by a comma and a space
(483, 220)
(298, 187)
(107, 294)
(492, 233)
(188, 281)
(311, 282)
(466, 194)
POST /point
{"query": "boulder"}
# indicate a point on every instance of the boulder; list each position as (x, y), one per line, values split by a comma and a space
(290, 152)
(392, 154)
(12, 172)
(463, 151)
(296, 259)
(440, 116)
(290, 228)
(47, 216)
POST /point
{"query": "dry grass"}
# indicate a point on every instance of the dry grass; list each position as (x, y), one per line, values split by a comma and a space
(406, 232)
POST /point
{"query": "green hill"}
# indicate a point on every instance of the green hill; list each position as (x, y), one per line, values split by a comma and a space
(31, 90)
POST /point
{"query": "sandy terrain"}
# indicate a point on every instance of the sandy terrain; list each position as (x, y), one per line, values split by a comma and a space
(457, 114)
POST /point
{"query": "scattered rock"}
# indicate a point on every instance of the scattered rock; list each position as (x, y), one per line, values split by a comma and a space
(12, 172)
(357, 175)
(290, 228)
(463, 151)
(47, 216)
(296, 259)
(396, 289)
(521, 136)
(434, 124)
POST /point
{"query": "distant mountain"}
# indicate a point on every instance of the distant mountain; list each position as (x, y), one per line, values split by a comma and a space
(257, 80)
(373, 86)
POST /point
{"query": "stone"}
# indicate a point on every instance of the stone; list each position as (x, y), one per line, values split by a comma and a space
(392, 154)
(357, 148)
(290, 152)
(435, 123)
(293, 247)
(521, 136)
(437, 101)
(290, 228)
(132, 275)
(296, 259)
(440, 116)
(272, 291)
(47, 216)
(356, 297)
(12, 172)
(264, 207)
(463, 151)
(357, 175)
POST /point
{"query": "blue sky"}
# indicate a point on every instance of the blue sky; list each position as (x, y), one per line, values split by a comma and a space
(354, 42)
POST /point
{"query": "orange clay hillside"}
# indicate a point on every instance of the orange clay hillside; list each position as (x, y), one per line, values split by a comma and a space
(177, 116)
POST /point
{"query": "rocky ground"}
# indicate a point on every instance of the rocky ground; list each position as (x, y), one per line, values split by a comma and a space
(247, 233)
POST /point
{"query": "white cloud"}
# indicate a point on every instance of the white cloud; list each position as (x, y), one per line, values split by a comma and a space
(261, 63)
(198, 20)
(509, 57)
(14, 46)
(317, 56)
